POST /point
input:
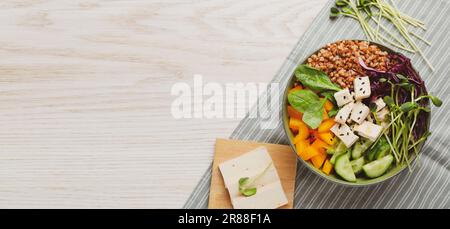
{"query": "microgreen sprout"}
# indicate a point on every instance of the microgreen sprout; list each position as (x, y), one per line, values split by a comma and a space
(370, 12)
(246, 185)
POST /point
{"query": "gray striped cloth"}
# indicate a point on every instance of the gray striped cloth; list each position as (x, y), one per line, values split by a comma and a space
(428, 185)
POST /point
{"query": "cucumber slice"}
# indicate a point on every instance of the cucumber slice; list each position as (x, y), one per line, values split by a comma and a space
(357, 165)
(335, 156)
(360, 148)
(379, 150)
(379, 167)
(344, 169)
(339, 149)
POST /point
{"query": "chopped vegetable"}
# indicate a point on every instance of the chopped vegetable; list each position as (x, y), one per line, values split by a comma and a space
(303, 132)
(293, 113)
(357, 165)
(315, 79)
(309, 153)
(328, 138)
(344, 168)
(379, 167)
(327, 167)
(326, 125)
(319, 159)
(365, 11)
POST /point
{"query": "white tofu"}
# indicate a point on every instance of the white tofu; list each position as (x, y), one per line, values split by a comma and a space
(362, 88)
(369, 130)
(344, 113)
(269, 193)
(380, 104)
(359, 112)
(270, 196)
(343, 97)
(383, 114)
(345, 134)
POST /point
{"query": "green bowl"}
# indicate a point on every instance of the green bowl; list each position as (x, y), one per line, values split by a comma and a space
(334, 178)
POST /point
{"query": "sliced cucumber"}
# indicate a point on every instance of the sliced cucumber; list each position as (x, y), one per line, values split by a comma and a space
(359, 148)
(338, 149)
(336, 155)
(379, 150)
(357, 165)
(344, 169)
(379, 167)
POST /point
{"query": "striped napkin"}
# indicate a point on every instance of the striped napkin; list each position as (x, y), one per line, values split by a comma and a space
(428, 186)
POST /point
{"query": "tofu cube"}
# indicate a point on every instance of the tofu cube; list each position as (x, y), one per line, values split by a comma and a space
(369, 130)
(345, 134)
(343, 97)
(383, 114)
(270, 192)
(359, 112)
(362, 88)
(344, 113)
(380, 104)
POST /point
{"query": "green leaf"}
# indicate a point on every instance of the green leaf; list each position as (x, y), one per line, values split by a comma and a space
(389, 101)
(315, 79)
(340, 3)
(333, 112)
(303, 100)
(243, 181)
(407, 86)
(313, 118)
(409, 106)
(248, 192)
(334, 12)
(330, 96)
(373, 107)
(383, 80)
(402, 77)
(436, 101)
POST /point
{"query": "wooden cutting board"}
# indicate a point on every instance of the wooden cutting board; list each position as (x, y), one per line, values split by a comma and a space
(283, 157)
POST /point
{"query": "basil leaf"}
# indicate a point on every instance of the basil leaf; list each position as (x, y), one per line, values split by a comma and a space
(315, 79)
(330, 96)
(303, 100)
(313, 117)
(333, 112)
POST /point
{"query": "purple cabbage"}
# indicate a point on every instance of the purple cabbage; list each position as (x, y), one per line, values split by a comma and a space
(400, 64)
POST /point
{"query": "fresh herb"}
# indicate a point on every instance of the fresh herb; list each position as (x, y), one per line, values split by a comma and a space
(246, 185)
(309, 104)
(303, 100)
(315, 79)
(313, 117)
(333, 112)
(379, 149)
(243, 182)
(404, 92)
(374, 12)
(329, 95)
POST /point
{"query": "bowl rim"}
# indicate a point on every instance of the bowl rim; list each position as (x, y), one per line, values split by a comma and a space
(288, 133)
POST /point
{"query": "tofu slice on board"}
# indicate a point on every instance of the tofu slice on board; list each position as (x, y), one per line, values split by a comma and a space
(270, 193)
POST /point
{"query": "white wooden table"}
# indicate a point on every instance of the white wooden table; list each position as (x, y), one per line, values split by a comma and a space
(85, 97)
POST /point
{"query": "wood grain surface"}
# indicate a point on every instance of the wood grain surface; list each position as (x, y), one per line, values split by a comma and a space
(85, 93)
(283, 157)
